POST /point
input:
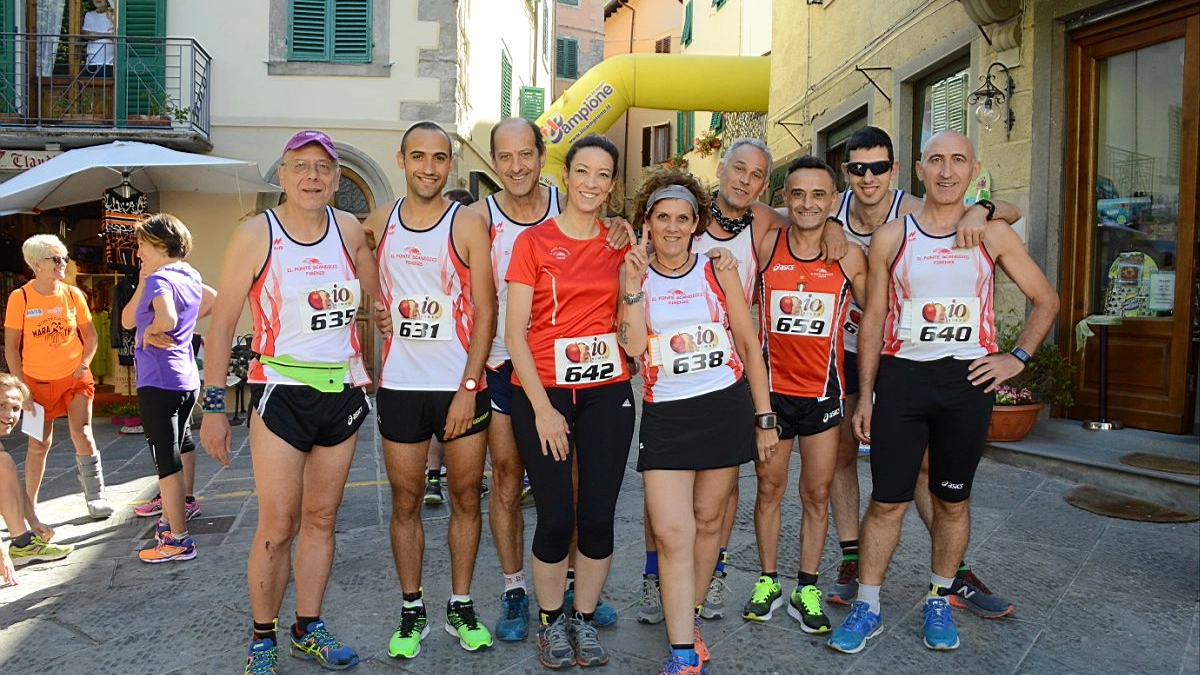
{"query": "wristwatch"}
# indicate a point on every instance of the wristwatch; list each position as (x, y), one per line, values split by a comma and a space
(987, 204)
(1021, 354)
(470, 384)
(766, 420)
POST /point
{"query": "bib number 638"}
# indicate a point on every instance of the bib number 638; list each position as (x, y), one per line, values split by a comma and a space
(697, 362)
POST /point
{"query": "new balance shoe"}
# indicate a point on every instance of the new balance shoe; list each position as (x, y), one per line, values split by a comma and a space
(766, 598)
(845, 589)
(861, 624)
(433, 492)
(406, 639)
(150, 508)
(462, 623)
(939, 631)
(554, 649)
(698, 641)
(603, 616)
(262, 659)
(318, 645)
(513, 624)
(676, 666)
(714, 599)
(804, 605)
(169, 549)
(585, 641)
(38, 550)
(979, 599)
(649, 609)
(191, 508)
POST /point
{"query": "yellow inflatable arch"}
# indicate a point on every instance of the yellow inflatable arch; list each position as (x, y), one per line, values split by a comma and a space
(658, 81)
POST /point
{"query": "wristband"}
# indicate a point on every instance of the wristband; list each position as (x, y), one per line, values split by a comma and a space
(991, 208)
(633, 298)
(1021, 354)
(213, 400)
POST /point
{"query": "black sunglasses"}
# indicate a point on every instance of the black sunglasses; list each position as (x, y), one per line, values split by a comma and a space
(860, 168)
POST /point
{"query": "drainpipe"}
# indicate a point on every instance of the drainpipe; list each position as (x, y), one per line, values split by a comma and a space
(625, 148)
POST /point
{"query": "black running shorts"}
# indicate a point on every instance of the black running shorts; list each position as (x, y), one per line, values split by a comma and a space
(305, 417)
(407, 416)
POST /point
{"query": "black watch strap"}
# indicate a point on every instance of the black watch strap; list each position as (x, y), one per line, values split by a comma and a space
(1022, 355)
(987, 204)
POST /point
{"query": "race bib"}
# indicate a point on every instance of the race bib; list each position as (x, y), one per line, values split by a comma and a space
(853, 318)
(422, 317)
(586, 360)
(940, 320)
(801, 313)
(329, 306)
(689, 349)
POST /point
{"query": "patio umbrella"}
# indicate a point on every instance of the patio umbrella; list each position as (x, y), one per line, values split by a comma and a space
(82, 175)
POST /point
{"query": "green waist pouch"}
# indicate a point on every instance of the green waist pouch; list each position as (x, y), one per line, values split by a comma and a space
(325, 377)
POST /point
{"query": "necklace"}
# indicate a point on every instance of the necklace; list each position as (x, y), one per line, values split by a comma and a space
(673, 270)
(731, 225)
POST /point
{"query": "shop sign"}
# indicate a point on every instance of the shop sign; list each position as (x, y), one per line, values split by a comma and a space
(20, 160)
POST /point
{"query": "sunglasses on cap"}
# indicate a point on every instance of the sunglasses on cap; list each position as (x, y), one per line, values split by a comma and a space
(860, 168)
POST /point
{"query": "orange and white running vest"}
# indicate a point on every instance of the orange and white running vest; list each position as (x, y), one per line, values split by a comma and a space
(303, 302)
(940, 299)
(427, 288)
(850, 338)
(690, 350)
(504, 231)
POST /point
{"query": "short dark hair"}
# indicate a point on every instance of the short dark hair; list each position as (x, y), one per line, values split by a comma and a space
(810, 162)
(538, 141)
(595, 141)
(165, 231)
(870, 137)
(425, 125)
(460, 195)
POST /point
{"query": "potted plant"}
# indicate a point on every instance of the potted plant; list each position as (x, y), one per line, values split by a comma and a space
(1045, 379)
(125, 414)
(158, 110)
(679, 162)
(181, 117)
(707, 143)
(84, 108)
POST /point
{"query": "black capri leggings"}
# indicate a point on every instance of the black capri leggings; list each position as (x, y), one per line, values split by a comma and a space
(600, 423)
(167, 420)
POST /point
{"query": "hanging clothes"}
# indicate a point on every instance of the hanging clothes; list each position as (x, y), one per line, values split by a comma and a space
(123, 207)
(123, 340)
(101, 364)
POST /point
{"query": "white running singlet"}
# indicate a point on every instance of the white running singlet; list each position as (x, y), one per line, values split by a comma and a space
(940, 299)
(850, 330)
(742, 247)
(504, 231)
(304, 301)
(427, 288)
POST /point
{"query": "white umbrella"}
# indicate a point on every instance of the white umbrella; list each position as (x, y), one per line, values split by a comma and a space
(82, 175)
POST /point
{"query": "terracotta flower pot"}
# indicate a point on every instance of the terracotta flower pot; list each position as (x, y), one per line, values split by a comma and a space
(1012, 422)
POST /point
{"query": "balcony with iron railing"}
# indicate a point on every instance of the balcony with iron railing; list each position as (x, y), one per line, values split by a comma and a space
(156, 89)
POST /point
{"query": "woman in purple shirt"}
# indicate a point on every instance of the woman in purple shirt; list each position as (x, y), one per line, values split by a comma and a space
(169, 299)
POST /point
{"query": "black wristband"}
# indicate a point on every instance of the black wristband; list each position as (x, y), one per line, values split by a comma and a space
(1021, 354)
(987, 204)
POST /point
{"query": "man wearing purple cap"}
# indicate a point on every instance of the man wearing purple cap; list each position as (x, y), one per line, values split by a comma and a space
(305, 268)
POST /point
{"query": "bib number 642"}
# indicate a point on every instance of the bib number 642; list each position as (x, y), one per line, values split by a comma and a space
(595, 372)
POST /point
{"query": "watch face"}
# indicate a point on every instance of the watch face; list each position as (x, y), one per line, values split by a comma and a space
(767, 421)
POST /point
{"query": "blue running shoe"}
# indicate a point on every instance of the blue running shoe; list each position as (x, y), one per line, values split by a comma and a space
(317, 644)
(861, 624)
(513, 624)
(604, 615)
(940, 632)
(262, 659)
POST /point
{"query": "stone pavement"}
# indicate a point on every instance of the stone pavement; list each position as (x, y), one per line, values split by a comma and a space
(1093, 595)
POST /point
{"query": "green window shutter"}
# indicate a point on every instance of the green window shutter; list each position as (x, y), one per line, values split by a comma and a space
(337, 31)
(717, 123)
(141, 66)
(533, 102)
(685, 124)
(573, 3)
(949, 104)
(309, 30)
(8, 59)
(351, 31)
(506, 86)
(566, 58)
(718, 4)
(686, 37)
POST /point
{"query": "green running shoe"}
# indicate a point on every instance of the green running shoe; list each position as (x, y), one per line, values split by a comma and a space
(38, 550)
(766, 598)
(805, 607)
(406, 641)
(461, 622)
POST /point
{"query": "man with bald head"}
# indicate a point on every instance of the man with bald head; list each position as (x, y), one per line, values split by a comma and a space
(927, 349)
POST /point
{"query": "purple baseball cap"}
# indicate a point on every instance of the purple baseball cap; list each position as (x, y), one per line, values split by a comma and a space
(305, 137)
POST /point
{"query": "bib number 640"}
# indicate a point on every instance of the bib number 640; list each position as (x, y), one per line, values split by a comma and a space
(593, 373)
(334, 319)
(946, 334)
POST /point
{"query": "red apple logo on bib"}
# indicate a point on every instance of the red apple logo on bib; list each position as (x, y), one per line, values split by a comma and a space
(934, 312)
(577, 352)
(408, 308)
(681, 343)
(319, 299)
(788, 304)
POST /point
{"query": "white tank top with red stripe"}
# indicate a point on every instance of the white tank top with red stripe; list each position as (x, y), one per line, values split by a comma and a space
(427, 288)
(304, 301)
(690, 349)
(504, 231)
(742, 247)
(863, 239)
(940, 304)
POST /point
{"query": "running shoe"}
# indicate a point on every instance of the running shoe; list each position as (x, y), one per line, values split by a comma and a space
(191, 508)
(461, 622)
(406, 640)
(150, 508)
(714, 599)
(585, 640)
(318, 645)
(804, 605)
(698, 641)
(169, 549)
(484, 490)
(845, 589)
(513, 624)
(526, 488)
(554, 649)
(979, 599)
(676, 666)
(649, 608)
(603, 616)
(861, 624)
(38, 550)
(262, 659)
(939, 632)
(161, 529)
(766, 598)
(433, 492)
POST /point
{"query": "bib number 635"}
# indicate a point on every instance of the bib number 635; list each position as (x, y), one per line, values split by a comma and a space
(335, 319)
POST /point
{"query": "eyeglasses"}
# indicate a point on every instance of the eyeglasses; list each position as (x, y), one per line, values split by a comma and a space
(324, 167)
(860, 168)
(57, 259)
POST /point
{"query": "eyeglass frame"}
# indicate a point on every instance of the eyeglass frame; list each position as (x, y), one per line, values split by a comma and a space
(309, 165)
(57, 259)
(861, 168)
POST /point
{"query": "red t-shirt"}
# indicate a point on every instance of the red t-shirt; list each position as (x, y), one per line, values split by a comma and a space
(575, 294)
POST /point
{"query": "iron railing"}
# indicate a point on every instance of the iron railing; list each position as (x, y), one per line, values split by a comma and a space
(46, 81)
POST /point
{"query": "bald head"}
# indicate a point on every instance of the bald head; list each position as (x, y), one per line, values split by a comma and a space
(951, 141)
(947, 167)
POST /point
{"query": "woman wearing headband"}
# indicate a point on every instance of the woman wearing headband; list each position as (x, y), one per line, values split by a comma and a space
(690, 325)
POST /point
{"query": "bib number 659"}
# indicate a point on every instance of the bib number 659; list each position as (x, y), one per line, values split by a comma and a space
(787, 324)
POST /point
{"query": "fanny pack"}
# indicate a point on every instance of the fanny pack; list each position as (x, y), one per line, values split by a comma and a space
(324, 377)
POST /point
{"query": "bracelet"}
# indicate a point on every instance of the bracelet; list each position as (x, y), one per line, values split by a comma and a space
(213, 400)
(633, 298)
(991, 208)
